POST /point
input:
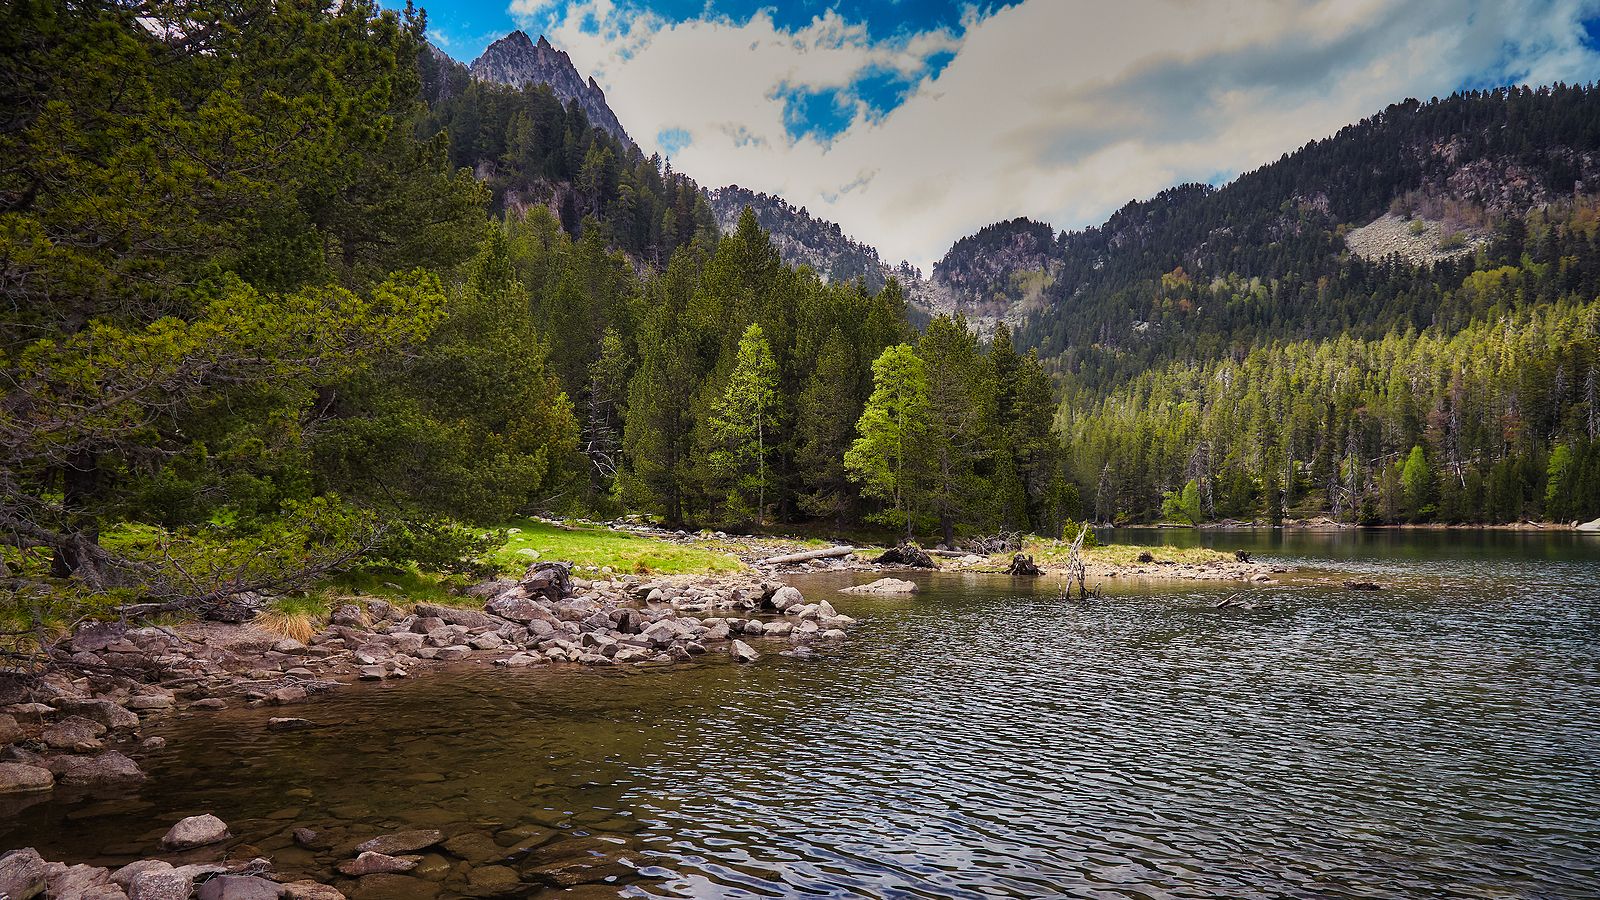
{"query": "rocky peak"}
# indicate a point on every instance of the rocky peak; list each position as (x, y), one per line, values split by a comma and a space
(517, 61)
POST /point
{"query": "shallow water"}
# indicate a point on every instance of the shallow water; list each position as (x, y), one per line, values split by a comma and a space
(1438, 739)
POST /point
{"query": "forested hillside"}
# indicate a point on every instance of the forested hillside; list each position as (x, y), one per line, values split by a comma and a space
(1197, 282)
(304, 338)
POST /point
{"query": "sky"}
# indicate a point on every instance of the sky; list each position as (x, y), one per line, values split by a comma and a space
(912, 124)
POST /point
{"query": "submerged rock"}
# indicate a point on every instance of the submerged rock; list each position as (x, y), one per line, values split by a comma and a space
(369, 863)
(399, 842)
(238, 887)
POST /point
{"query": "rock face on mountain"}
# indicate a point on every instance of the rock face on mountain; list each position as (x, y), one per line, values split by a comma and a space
(986, 277)
(802, 239)
(517, 61)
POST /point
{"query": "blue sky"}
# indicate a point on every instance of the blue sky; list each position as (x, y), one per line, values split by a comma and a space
(914, 123)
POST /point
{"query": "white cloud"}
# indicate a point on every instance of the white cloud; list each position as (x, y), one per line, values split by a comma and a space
(1060, 111)
(525, 10)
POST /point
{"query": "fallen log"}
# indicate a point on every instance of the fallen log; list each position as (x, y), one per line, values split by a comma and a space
(808, 555)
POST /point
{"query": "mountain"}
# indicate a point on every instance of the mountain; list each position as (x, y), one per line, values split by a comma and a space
(994, 275)
(517, 61)
(804, 240)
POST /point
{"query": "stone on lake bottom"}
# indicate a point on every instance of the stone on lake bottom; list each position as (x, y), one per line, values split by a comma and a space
(402, 842)
(884, 586)
(369, 863)
(238, 887)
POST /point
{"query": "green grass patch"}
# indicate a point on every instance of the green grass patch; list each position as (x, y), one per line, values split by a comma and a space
(403, 585)
(592, 548)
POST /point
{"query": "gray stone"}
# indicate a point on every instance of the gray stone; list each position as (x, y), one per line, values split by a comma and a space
(238, 887)
(75, 733)
(884, 586)
(742, 652)
(466, 618)
(107, 713)
(167, 885)
(79, 881)
(17, 778)
(22, 874)
(287, 723)
(10, 731)
(311, 890)
(195, 831)
(125, 876)
(108, 766)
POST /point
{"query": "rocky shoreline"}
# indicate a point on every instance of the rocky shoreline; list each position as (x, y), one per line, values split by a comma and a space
(78, 725)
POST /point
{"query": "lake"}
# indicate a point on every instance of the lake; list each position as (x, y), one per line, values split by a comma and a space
(1440, 738)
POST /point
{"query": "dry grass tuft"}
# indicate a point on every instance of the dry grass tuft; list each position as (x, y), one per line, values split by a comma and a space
(297, 625)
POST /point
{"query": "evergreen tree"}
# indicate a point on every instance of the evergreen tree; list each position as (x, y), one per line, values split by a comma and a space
(742, 420)
(888, 458)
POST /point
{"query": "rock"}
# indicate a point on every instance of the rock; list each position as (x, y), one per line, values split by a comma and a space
(373, 673)
(168, 885)
(125, 876)
(113, 716)
(785, 597)
(107, 766)
(153, 744)
(1362, 586)
(195, 831)
(75, 733)
(394, 887)
(238, 887)
(492, 879)
(490, 641)
(17, 778)
(516, 609)
(1592, 525)
(466, 618)
(380, 611)
(150, 702)
(284, 695)
(742, 652)
(347, 615)
(209, 703)
(287, 723)
(311, 890)
(884, 586)
(549, 580)
(310, 840)
(906, 554)
(22, 874)
(474, 847)
(370, 863)
(10, 731)
(79, 881)
(400, 842)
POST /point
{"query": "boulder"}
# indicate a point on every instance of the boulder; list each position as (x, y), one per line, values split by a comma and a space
(17, 778)
(785, 597)
(161, 885)
(884, 586)
(92, 637)
(311, 840)
(75, 733)
(22, 874)
(742, 652)
(238, 887)
(516, 609)
(125, 876)
(1592, 525)
(10, 731)
(79, 881)
(466, 618)
(290, 694)
(401, 842)
(107, 713)
(370, 863)
(105, 767)
(549, 580)
(311, 890)
(195, 831)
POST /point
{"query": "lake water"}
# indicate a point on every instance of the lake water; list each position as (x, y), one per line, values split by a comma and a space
(1440, 738)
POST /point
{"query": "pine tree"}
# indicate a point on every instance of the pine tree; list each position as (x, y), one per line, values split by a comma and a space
(743, 420)
(888, 458)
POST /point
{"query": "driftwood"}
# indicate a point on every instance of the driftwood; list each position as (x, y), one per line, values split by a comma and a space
(1242, 556)
(1022, 564)
(1077, 569)
(808, 555)
(1003, 542)
(907, 554)
(1362, 586)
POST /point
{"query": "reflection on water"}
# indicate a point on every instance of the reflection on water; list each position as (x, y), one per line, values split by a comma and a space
(1438, 739)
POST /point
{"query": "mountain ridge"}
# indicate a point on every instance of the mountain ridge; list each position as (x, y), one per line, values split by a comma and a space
(517, 61)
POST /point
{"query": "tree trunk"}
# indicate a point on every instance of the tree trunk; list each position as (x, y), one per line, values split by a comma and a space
(80, 555)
